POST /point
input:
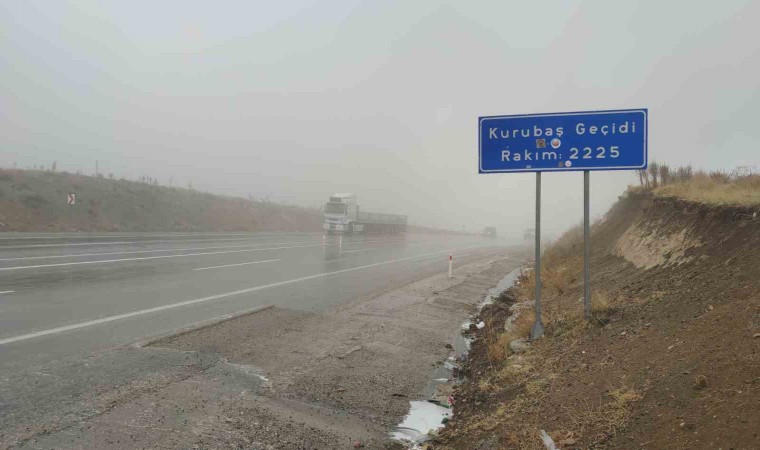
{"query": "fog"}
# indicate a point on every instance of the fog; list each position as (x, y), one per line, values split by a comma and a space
(296, 100)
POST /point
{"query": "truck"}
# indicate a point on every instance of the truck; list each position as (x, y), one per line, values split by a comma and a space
(343, 216)
(489, 232)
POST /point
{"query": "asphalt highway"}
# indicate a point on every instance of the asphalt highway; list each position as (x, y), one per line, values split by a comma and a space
(73, 294)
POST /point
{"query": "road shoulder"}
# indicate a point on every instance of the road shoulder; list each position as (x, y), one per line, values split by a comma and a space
(284, 378)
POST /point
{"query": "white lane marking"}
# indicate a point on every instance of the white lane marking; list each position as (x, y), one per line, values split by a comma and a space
(148, 241)
(360, 250)
(144, 258)
(141, 312)
(238, 264)
(134, 252)
(111, 236)
(7, 292)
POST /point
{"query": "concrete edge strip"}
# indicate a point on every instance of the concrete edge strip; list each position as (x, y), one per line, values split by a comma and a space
(198, 326)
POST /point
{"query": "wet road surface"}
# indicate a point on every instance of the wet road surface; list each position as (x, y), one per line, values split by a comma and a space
(66, 294)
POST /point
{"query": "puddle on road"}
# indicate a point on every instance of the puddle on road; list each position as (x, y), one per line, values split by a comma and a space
(462, 343)
(423, 417)
(428, 415)
(249, 370)
(502, 286)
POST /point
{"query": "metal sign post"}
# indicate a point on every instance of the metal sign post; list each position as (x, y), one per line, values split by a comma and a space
(538, 326)
(561, 142)
(586, 248)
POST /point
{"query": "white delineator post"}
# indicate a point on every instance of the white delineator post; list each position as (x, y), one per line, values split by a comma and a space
(451, 266)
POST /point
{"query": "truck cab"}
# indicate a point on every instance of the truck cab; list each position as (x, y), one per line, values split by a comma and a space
(340, 214)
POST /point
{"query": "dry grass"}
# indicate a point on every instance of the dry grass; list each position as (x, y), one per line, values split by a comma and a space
(537, 386)
(741, 187)
(607, 418)
(526, 290)
(569, 244)
(600, 302)
(497, 346)
(485, 385)
(521, 326)
(561, 276)
(716, 190)
(513, 374)
(561, 263)
(616, 413)
(561, 282)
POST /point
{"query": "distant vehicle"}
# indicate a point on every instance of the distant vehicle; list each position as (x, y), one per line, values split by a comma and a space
(489, 232)
(529, 234)
(342, 216)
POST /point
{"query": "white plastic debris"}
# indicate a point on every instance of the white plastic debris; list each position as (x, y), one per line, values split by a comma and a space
(481, 325)
(548, 442)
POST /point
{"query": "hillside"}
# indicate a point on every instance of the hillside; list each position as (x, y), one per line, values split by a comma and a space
(36, 201)
(671, 358)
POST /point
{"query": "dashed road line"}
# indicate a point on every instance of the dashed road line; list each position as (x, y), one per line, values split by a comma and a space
(147, 241)
(136, 252)
(184, 255)
(141, 312)
(238, 264)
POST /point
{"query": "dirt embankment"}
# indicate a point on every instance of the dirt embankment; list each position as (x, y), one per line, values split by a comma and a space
(671, 358)
(37, 201)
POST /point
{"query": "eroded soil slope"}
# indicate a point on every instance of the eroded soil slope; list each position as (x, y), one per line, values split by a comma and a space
(670, 360)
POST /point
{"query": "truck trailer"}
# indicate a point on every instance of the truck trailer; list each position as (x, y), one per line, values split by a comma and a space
(343, 216)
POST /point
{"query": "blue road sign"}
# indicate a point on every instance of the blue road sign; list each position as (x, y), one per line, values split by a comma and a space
(593, 140)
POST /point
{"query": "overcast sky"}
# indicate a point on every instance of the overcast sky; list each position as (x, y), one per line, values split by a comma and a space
(295, 100)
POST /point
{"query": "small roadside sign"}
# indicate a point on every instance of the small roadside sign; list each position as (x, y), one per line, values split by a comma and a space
(71, 199)
(594, 140)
